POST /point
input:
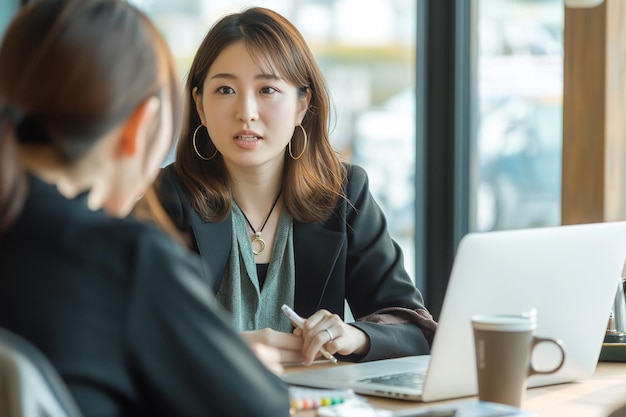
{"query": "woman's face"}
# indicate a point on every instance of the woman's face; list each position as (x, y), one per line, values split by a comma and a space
(250, 112)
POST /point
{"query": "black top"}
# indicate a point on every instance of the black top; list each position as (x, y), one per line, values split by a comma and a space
(261, 272)
(121, 312)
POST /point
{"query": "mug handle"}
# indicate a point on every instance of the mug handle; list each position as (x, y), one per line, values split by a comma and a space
(557, 343)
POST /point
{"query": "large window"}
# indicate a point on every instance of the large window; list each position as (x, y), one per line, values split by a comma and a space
(519, 114)
(367, 54)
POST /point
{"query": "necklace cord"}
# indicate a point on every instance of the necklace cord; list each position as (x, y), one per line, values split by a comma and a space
(266, 219)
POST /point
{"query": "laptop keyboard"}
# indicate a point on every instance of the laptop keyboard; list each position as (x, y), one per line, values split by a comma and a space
(404, 379)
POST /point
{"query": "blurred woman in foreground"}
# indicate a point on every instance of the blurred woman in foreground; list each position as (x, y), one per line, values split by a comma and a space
(88, 105)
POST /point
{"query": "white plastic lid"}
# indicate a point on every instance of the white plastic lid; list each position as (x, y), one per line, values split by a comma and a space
(504, 322)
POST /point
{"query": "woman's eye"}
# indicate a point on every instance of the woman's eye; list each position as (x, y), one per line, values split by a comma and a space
(225, 90)
(268, 90)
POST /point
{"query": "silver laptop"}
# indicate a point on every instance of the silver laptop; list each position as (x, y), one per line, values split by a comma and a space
(569, 274)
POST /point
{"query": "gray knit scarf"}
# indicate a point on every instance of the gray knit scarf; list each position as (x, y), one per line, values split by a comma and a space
(252, 307)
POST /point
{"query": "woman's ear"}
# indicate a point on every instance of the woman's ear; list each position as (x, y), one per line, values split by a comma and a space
(137, 126)
(197, 98)
(303, 105)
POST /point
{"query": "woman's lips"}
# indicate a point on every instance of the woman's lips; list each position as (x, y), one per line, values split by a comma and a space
(248, 142)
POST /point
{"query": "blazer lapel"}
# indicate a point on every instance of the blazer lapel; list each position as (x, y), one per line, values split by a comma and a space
(315, 250)
(214, 242)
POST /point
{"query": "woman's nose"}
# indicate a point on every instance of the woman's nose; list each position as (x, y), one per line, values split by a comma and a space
(247, 108)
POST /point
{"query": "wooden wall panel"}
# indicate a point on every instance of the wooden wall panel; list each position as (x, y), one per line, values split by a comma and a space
(594, 114)
(582, 198)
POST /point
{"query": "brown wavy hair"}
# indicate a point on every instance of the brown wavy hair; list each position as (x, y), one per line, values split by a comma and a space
(312, 184)
(71, 70)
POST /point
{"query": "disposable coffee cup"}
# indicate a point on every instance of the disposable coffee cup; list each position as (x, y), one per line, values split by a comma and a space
(503, 346)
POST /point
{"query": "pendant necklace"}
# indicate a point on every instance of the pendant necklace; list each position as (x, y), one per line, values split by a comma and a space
(257, 235)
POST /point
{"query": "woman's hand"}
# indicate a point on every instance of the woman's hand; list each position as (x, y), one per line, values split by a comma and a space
(288, 345)
(269, 356)
(326, 329)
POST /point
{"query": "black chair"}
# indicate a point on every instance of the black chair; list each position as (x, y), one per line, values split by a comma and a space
(29, 384)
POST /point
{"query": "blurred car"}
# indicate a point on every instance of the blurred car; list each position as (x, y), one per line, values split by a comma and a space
(520, 182)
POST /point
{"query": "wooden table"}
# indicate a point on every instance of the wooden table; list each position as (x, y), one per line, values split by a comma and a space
(593, 397)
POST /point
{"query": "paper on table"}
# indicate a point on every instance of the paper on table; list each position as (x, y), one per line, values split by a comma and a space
(360, 408)
(354, 407)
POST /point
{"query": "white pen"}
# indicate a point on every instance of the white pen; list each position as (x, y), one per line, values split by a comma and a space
(299, 321)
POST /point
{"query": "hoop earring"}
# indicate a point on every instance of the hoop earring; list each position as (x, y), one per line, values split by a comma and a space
(195, 148)
(303, 148)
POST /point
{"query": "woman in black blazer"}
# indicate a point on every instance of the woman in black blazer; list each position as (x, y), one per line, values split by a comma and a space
(275, 216)
(88, 105)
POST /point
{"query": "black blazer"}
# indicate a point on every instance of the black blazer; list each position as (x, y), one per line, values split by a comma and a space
(122, 313)
(351, 256)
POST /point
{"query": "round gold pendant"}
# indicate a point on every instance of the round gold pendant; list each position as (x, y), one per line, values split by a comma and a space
(261, 242)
